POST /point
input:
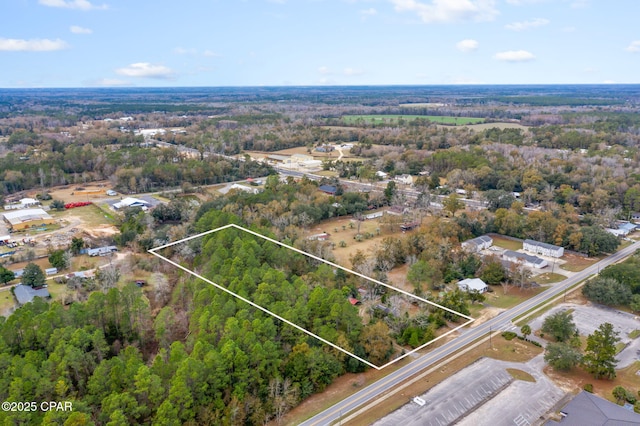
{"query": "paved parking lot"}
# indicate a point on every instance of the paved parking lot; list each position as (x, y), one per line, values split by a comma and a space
(589, 317)
(520, 404)
(482, 394)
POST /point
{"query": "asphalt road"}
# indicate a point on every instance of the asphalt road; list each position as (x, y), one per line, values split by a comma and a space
(501, 322)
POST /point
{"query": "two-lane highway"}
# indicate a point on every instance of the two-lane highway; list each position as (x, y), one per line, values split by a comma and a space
(500, 322)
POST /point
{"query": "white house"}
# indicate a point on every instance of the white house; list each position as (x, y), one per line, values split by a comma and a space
(476, 244)
(542, 248)
(24, 203)
(404, 179)
(473, 284)
(525, 259)
(131, 202)
(381, 174)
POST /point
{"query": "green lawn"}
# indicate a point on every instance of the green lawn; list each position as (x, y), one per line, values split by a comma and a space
(506, 243)
(7, 301)
(512, 298)
(549, 278)
(634, 334)
(373, 119)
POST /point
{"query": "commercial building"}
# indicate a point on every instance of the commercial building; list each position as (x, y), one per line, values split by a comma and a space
(542, 248)
(589, 409)
(23, 219)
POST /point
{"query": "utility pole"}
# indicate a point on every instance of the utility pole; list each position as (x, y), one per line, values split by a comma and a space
(490, 342)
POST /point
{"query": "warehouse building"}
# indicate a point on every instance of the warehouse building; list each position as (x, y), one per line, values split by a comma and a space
(23, 219)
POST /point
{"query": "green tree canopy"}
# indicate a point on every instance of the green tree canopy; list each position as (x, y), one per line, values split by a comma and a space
(607, 291)
(600, 356)
(562, 356)
(559, 325)
(33, 275)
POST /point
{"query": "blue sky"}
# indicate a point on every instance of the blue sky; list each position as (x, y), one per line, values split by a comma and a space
(79, 43)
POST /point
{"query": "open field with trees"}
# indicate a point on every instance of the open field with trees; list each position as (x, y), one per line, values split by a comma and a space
(559, 167)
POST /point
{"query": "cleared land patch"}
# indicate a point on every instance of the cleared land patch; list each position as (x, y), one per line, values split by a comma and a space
(264, 295)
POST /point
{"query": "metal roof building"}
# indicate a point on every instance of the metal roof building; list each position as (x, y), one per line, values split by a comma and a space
(589, 409)
(25, 294)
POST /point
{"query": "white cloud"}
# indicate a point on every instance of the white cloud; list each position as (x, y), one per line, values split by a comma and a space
(352, 72)
(210, 54)
(449, 10)
(109, 82)
(80, 30)
(514, 56)
(634, 47)
(324, 70)
(467, 45)
(526, 25)
(368, 12)
(608, 82)
(35, 45)
(146, 70)
(72, 4)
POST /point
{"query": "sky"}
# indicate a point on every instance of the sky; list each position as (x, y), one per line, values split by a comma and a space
(169, 43)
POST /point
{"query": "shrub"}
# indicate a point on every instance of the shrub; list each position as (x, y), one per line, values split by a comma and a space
(588, 387)
(509, 335)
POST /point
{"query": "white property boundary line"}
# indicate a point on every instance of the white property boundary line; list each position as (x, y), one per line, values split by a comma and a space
(232, 225)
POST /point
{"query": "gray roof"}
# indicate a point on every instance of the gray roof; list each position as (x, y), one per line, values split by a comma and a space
(25, 294)
(589, 409)
(483, 239)
(523, 256)
(543, 245)
(627, 226)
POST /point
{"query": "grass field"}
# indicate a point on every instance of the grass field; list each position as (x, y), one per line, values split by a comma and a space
(374, 119)
(506, 243)
(514, 297)
(7, 302)
(549, 278)
(90, 215)
(575, 263)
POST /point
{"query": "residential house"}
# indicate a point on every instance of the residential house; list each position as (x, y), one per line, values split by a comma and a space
(524, 259)
(25, 294)
(542, 248)
(473, 284)
(328, 189)
(477, 244)
(404, 179)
